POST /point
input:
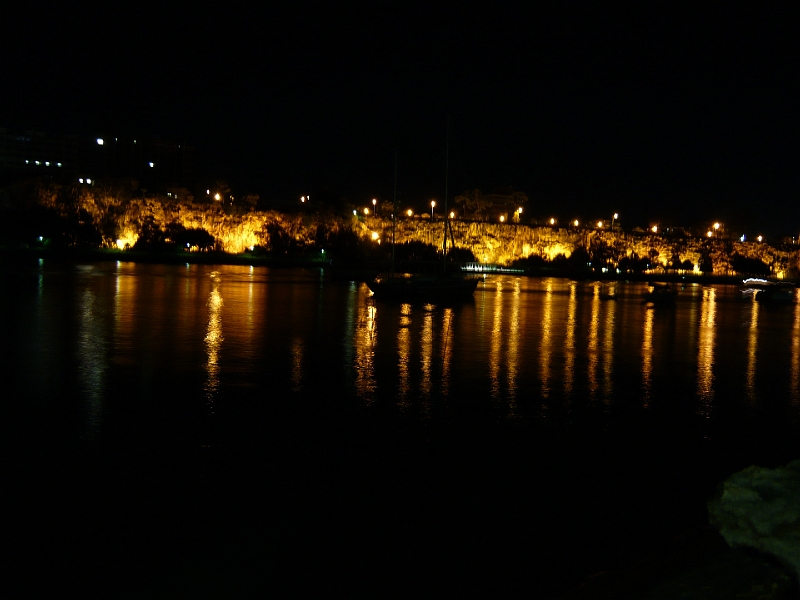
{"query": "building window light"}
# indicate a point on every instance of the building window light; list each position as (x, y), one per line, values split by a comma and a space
(37, 163)
(47, 163)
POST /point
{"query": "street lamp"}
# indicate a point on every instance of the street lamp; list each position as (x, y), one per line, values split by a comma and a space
(575, 222)
(433, 203)
(613, 220)
(552, 221)
(409, 212)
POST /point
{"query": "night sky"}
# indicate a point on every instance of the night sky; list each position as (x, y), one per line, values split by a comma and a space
(668, 113)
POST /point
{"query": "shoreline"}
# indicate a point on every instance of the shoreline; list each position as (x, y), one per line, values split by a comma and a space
(361, 270)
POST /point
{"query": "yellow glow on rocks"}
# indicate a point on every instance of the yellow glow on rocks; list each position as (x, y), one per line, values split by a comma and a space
(554, 250)
(491, 242)
(128, 237)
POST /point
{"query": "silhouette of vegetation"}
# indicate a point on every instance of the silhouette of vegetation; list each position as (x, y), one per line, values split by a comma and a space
(172, 238)
(460, 255)
(184, 238)
(278, 241)
(416, 251)
(633, 264)
(706, 264)
(340, 244)
(749, 266)
(532, 263)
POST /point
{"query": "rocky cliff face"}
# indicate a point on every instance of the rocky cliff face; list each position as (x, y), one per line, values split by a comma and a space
(493, 243)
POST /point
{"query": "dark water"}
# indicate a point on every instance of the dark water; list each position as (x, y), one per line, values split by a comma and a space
(235, 431)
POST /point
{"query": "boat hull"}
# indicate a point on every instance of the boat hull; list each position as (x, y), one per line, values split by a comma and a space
(423, 288)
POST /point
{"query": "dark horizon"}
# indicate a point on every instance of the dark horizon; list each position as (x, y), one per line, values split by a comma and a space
(660, 115)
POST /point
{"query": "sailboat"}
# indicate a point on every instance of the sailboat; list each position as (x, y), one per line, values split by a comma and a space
(448, 283)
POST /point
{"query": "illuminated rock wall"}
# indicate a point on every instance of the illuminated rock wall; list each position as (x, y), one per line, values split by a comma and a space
(501, 244)
(493, 243)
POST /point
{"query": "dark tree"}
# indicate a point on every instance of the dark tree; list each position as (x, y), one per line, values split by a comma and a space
(706, 264)
(749, 266)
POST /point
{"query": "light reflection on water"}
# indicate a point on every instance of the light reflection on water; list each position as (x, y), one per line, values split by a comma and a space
(569, 343)
(523, 348)
(609, 327)
(496, 343)
(92, 359)
(705, 352)
(795, 385)
(213, 339)
(426, 356)
(752, 349)
(366, 336)
(404, 354)
(447, 348)
(593, 345)
(647, 357)
(546, 341)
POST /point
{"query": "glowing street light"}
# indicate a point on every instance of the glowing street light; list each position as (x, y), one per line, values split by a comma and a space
(366, 211)
(502, 218)
(654, 229)
(433, 204)
(410, 212)
(760, 238)
(613, 220)
(575, 222)
(217, 196)
(716, 226)
(552, 221)
(710, 233)
(599, 224)
(452, 214)
(374, 203)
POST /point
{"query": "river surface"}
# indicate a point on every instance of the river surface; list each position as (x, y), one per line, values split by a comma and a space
(232, 431)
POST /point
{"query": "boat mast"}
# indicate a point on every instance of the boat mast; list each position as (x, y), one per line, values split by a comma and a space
(446, 168)
(394, 206)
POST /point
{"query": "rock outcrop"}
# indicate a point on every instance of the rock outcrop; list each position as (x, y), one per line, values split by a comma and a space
(760, 508)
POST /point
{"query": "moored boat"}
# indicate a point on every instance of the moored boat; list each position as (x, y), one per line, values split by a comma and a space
(423, 287)
(661, 294)
(448, 283)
